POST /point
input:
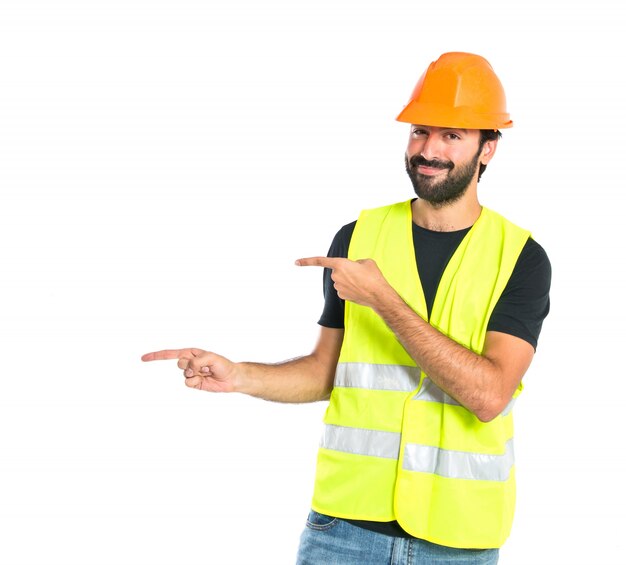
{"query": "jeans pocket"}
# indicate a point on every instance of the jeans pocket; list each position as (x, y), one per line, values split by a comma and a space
(320, 522)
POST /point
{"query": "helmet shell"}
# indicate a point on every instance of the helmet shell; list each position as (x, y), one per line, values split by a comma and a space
(458, 90)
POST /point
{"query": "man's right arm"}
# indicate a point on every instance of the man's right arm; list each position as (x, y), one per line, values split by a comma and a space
(304, 379)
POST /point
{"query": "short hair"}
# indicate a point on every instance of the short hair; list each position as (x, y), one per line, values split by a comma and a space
(486, 135)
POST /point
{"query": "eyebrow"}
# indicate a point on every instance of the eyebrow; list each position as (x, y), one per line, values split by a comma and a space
(439, 127)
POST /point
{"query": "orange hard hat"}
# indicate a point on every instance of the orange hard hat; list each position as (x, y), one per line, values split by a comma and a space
(458, 90)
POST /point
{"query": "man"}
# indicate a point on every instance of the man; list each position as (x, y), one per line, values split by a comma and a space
(432, 312)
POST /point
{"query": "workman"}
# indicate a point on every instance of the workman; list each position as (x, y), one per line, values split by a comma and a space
(433, 308)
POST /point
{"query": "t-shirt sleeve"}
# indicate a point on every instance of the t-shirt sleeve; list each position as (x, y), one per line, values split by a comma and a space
(333, 313)
(525, 302)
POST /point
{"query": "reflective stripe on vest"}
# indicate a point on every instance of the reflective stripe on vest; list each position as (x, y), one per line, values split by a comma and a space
(359, 441)
(459, 464)
(377, 377)
(420, 458)
(430, 392)
(396, 378)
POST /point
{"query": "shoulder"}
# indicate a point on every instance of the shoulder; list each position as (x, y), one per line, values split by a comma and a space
(341, 241)
(532, 259)
(534, 262)
(394, 210)
(346, 231)
(532, 274)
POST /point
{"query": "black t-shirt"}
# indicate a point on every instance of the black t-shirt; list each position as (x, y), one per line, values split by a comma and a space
(520, 311)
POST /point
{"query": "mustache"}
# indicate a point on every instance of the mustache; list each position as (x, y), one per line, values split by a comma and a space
(418, 160)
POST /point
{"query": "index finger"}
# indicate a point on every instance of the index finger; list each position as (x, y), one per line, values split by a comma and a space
(327, 262)
(168, 354)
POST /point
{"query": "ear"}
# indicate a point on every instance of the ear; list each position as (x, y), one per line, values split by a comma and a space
(489, 150)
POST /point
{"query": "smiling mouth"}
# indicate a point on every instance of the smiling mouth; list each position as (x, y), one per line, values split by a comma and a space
(430, 171)
(427, 166)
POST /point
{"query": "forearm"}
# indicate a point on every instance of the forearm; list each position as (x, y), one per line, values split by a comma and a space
(471, 379)
(304, 379)
(483, 383)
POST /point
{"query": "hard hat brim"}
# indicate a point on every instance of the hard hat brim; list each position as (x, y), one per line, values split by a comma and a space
(463, 117)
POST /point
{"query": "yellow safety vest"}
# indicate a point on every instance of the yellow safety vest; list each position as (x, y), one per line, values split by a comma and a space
(395, 446)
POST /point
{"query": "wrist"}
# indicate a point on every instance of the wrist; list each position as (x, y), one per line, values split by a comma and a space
(387, 302)
(241, 378)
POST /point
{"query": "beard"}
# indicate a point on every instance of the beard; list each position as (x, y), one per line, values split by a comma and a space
(440, 192)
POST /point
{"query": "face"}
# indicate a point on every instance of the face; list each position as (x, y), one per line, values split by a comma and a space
(442, 162)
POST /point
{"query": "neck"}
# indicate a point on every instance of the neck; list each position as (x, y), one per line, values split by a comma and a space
(450, 217)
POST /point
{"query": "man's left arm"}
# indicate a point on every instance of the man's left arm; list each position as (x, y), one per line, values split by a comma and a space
(484, 384)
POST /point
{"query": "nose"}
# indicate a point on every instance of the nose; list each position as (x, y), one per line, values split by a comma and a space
(431, 148)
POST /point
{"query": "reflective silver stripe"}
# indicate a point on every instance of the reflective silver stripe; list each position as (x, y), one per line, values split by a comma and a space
(430, 392)
(459, 464)
(361, 441)
(377, 377)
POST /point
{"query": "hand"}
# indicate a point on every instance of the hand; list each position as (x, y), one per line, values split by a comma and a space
(202, 369)
(357, 281)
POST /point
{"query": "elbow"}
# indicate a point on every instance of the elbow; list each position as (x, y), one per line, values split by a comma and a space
(491, 409)
(328, 387)
(485, 416)
(324, 375)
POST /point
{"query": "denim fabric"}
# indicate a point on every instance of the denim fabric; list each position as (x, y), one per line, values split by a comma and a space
(331, 541)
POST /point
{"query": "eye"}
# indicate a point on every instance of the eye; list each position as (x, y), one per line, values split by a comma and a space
(453, 136)
(417, 132)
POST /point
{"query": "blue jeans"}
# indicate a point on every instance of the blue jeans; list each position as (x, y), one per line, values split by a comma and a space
(331, 541)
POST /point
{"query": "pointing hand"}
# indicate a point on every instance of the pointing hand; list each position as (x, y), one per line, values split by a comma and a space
(202, 369)
(357, 281)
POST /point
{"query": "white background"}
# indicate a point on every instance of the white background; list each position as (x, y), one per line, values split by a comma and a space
(163, 163)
